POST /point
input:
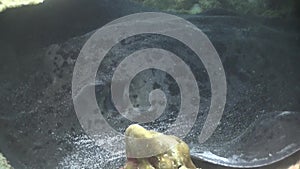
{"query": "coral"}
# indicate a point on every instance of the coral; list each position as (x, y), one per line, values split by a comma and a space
(4, 163)
(4, 4)
(154, 150)
(296, 166)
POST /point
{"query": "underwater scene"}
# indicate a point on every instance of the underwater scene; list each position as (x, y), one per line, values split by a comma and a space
(149, 84)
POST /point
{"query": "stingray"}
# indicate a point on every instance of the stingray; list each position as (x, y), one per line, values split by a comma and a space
(38, 124)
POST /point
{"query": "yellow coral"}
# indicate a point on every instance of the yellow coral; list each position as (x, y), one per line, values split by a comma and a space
(4, 4)
(152, 150)
(3, 163)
